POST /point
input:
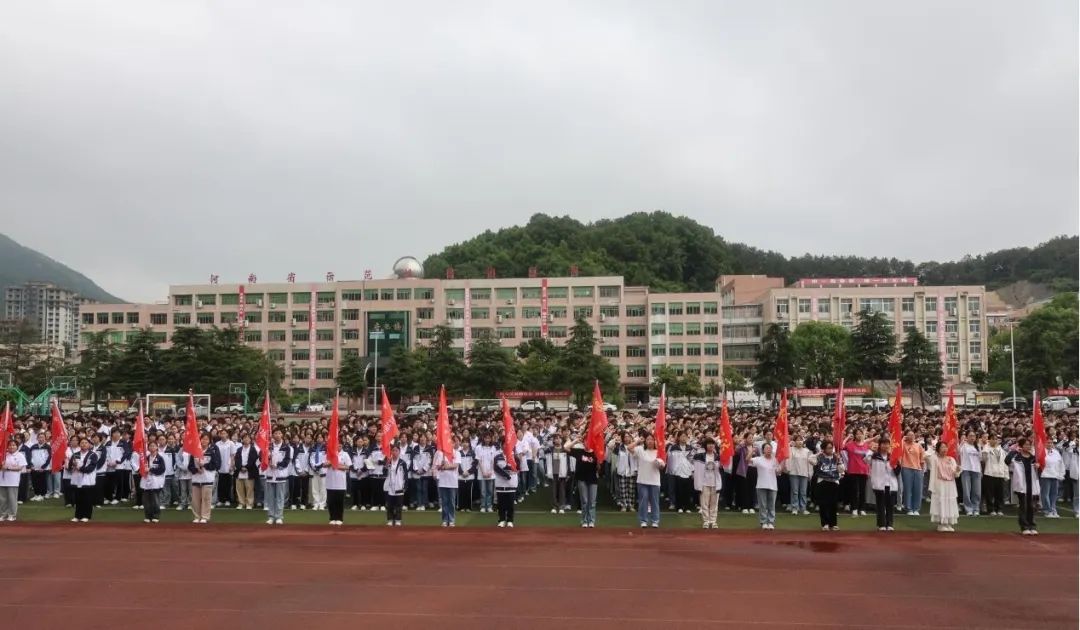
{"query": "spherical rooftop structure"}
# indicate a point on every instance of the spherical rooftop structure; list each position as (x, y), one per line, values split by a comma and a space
(408, 267)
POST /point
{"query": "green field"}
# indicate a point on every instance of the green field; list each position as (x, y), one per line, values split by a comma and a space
(534, 512)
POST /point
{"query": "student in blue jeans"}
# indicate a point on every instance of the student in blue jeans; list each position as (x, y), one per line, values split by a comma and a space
(648, 481)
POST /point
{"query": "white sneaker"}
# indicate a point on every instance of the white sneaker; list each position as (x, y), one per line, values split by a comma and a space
(644, 524)
(382, 508)
(656, 525)
(421, 509)
(353, 508)
(195, 521)
(824, 528)
(74, 520)
(84, 520)
(554, 511)
(178, 508)
(154, 520)
(389, 523)
(806, 512)
(279, 522)
(562, 511)
(502, 524)
(146, 520)
(269, 521)
(510, 524)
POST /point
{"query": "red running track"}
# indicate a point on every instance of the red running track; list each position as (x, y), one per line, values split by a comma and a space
(238, 577)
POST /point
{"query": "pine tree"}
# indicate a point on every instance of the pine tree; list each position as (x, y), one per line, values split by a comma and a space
(920, 365)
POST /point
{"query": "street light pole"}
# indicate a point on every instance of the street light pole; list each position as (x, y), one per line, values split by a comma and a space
(1012, 360)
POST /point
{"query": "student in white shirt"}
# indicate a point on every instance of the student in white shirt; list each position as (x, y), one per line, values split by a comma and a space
(152, 483)
(995, 475)
(277, 478)
(397, 473)
(246, 463)
(970, 474)
(768, 469)
(649, 465)
(225, 474)
(1053, 473)
(558, 468)
(707, 481)
(799, 472)
(447, 475)
(14, 464)
(84, 465)
(336, 483)
(485, 469)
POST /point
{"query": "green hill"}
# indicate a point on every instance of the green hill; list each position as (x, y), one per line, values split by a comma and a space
(19, 264)
(670, 253)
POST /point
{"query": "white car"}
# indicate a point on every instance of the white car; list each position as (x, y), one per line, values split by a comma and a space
(875, 404)
(201, 411)
(531, 405)
(424, 407)
(1056, 403)
(316, 408)
(230, 408)
(608, 408)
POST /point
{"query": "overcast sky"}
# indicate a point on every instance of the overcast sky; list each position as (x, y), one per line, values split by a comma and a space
(148, 143)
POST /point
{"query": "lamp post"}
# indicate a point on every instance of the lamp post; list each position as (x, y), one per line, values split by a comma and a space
(376, 334)
(1012, 361)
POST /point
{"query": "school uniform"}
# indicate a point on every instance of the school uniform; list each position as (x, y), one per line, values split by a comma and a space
(13, 465)
(170, 492)
(317, 464)
(84, 481)
(38, 467)
(183, 480)
(394, 482)
(557, 464)
(100, 480)
(357, 473)
(203, 472)
(827, 472)
(277, 479)
(65, 479)
(419, 461)
(506, 485)
(884, 482)
(151, 485)
(1025, 485)
(246, 464)
(374, 462)
(485, 457)
(680, 468)
(225, 473)
(624, 465)
(466, 478)
(24, 477)
(299, 480)
(336, 483)
(116, 469)
(446, 472)
(708, 481)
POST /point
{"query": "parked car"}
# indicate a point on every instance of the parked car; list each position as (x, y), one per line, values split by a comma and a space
(315, 408)
(1056, 403)
(98, 408)
(230, 408)
(531, 405)
(1018, 403)
(608, 408)
(699, 405)
(750, 405)
(875, 404)
(201, 411)
(418, 408)
(491, 406)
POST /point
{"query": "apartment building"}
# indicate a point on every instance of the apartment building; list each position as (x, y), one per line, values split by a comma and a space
(308, 328)
(54, 310)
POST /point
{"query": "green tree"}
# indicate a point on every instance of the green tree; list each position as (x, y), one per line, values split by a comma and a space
(776, 362)
(96, 363)
(351, 377)
(873, 347)
(541, 367)
(920, 366)
(18, 351)
(734, 381)
(583, 367)
(665, 376)
(443, 364)
(979, 377)
(1046, 345)
(690, 386)
(822, 353)
(138, 368)
(492, 368)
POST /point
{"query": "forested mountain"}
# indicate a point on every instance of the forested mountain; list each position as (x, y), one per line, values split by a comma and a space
(670, 253)
(19, 264)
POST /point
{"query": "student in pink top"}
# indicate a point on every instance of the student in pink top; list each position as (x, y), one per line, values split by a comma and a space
(858, 471)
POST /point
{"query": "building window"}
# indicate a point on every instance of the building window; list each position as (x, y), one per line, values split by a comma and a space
(87, 319)
(159, 319)
(326, 354)
(636, 351)
(931, 327)
(117, 318)
(712, 369)
(557, 332)
(253, 317)
(950, 306)
(635, 311)
(952, 369)
(504, 313)
(300, 374)
(974, 327)
(847, 306)
(609, 311)
(675, 350)
(974, 346)
(506, 294)
(253, 335)
(182, 300)
(930, 305)
(637, 371)
(675, 329)
(693, 350)
(823, 307)
(951, 326)
(635, 331)
(907, 305)
(350, 296)
(387, 295)
(583, 311)
(424, 294)
(610, 352)
(301, 355)
(530, 332)
(658, 329)
(710, 308)
(909, 324)
(610, 292)
(372, 295)
(557, 312)
(181, 319)
(481, 294)
(301, 297)
(659, 350)
(530, 293)
(804, 306)
(300, 335)
(505, 333)
(231, 299)
(712, 350)
(325, 334)
(404, 294)
(609, 332)
(711, 328)
(481, 313)
(275, 335)
(324, 373)
(583, 292)
(674, 308)
(455, 313)
(277, 317)
(300, 317)
(351, 334)
(132, 318)
(658, 309)
(693, 308)
(558, 293)
(424, 333)
(952, 349)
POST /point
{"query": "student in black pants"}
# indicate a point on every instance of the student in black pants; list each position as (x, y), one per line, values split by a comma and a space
(337, 478)
(151, 485)
(828, 469)
(397, 474)
(1025, 484)
(506, 481)
(883, 480)
(83, 468)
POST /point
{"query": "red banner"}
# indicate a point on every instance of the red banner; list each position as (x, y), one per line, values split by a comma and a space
(543, 309)
(311, 338)
(828, 391)
(241, 310)
(1068, 391)
(536, 394)
(467, 318)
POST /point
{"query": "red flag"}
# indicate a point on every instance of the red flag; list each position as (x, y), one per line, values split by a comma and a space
(332, 438)
(839, 423)
(442, 428)
(1038, 426)
(949, 430)
(59, 438)
(262, 436)
(138, 440)
(896, 429)
(660, 428)
(594, 435)
(509, 436)
(7, 426)
(727, 440)
(192, 446)
(783, 440)
(388, 424)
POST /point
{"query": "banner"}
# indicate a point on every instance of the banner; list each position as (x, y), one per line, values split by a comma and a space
(543, 309)
(535, 394)
(241, 310)
(311, 338)
(941, 333)
(1068, 391)
(828, 391)
(468, 323)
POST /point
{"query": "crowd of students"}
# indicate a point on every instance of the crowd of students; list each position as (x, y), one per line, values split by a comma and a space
(995, 465)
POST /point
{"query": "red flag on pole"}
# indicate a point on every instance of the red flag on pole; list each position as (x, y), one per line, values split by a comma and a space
(839, 423)
(332, 435)
(660, 428)
(7, 426)
(1038, 426)
(727, 440)
(138, 440)
(59, 438)
(949, 430)
(509, 436)
(442, 428)
(262, 436)
(896, 429)
(192, 446)
(594, 435)
(783, 440)
(388, 423)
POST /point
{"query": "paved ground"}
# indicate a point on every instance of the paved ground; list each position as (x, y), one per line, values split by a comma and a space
(183, 576)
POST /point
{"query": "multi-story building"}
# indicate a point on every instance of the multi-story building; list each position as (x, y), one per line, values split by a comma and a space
(308, 328)
(53, 310)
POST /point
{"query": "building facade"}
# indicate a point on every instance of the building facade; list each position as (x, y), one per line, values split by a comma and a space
(308, 328)
(53, 310)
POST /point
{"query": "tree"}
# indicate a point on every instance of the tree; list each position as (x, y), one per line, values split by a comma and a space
(873, 346)
(690, 386)
(920, 365)
(541, 367)
(665, 376)
(351, 376)
(1046, 345)
(823, 353)
(17, 350)
(492, 368)
(776, 362)
(583, 367)
(137, 367)
(96, 363)
(443, 364)
(734, 381)
(979, 377)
